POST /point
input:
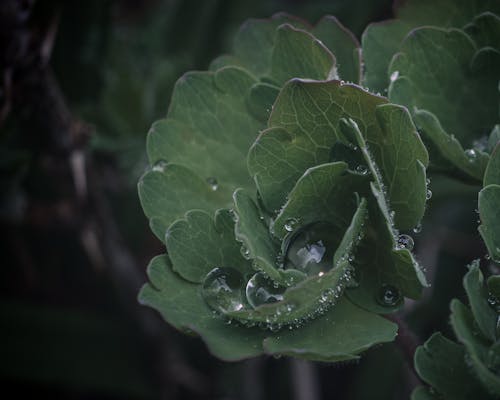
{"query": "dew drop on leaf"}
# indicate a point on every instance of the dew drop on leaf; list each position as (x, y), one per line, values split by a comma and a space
(405, 242)
(311, 249)
(471, 154)
(245, 252)
(159, 166)
(222, 289)
(418, 228)
(394, 76)
(389, 295)
(362, 169)
(212, 182)
(428, 195)
(260, 290)
(290, 224)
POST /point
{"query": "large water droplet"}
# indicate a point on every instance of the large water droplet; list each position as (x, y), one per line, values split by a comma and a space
(312, 248)
(160, 166)
(405, 242)
(260, 290)
(471, 154)
(389, 295)
(222, 289)
(290, 224)
(212, 182)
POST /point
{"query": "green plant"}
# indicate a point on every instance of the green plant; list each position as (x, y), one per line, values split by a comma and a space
(286, 188)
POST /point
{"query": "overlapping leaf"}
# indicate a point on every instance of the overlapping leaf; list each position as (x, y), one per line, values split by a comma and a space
(470, 369)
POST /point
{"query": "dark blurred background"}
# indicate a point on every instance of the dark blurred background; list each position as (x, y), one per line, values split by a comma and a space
(80, 84)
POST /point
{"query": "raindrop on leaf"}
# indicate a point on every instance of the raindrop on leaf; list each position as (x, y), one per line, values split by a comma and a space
(260, 290)
(428, 195)
(290, 224)
(471, 154)
(159, 166)
(389, 295)
(222, 289)
(405, 242)
(311, 249)
(212, 182)
(394, 76)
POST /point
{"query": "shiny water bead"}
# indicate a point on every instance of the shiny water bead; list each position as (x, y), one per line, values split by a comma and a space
(471, 154)
(394, 76)
(389, 295)
(428, 194)
(418, 228)
(312, 248)
(160, 166)
(405, 242)
(261, 290)
(362, 169)
(290, 224)
(212, 182)
(222, 289)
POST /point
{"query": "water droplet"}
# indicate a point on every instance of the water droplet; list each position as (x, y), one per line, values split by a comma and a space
(222, 289)
(212, 182)
(427, 181)
(418, 228)
(428, 195)
(290, 224)
(389, 295)
(471, 154)
(405, 242)
(394, 76)
(362, 169)
(260, 290)
(160, 166)
(311, 249)
(245, 252)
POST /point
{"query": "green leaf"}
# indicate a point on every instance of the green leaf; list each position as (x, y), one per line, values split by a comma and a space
(489, 211)
(197, 244)
(451, 155)
(422, 393)
(340, 334)
(494, 285)
(343, 44)
(485, 30)
(442, 364)
(304, 126)
(324, 193)
(492, 174)
(168, 191)
(477, 294)
(462, 322)
(252, 231)
(181, 304)
(381, 40)
(435, 65)
(300, 55)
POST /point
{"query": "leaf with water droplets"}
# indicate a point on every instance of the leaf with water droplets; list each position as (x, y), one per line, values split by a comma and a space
(447, 153)
(340, 334)
(168, 193)
(311, 297)
(484, 315)
(181, 304)
(197, 243)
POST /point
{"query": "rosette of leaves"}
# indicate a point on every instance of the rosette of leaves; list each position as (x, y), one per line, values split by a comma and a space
(279, 191)
(468, 369)
(442, 60)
